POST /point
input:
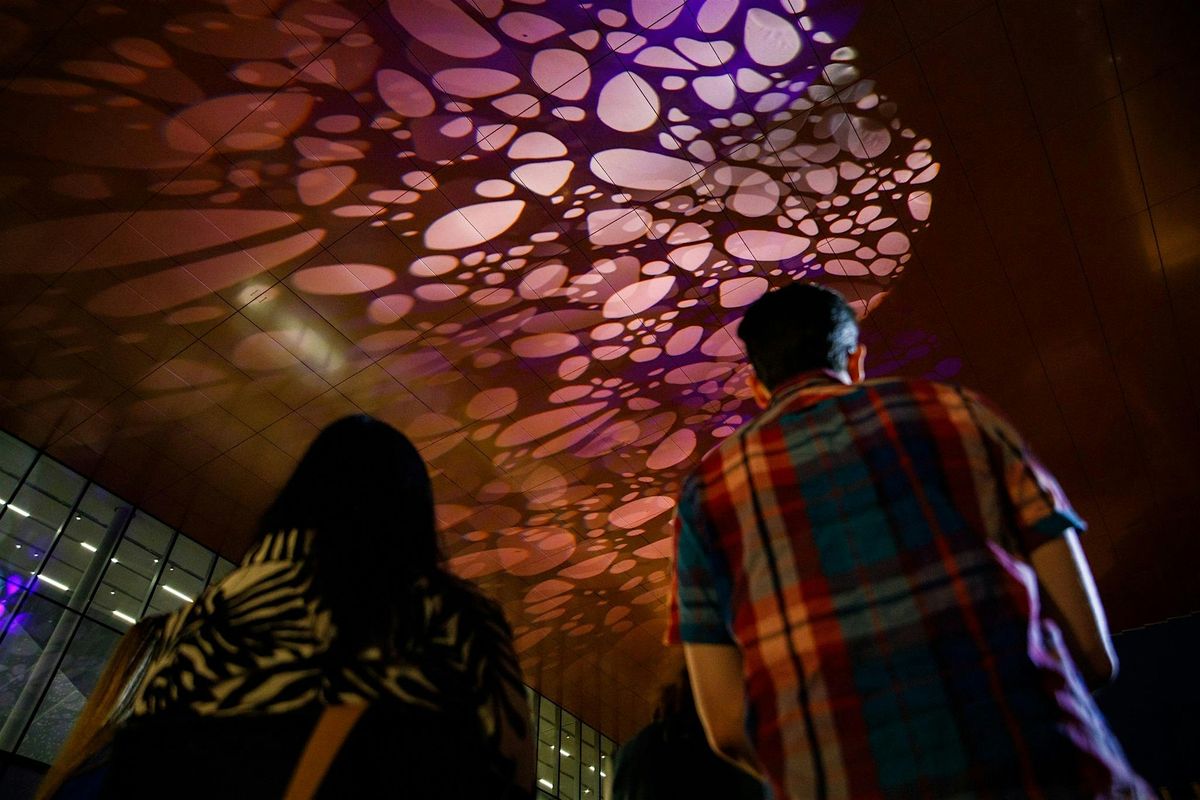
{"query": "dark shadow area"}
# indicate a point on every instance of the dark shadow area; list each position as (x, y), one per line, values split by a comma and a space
(1154, 706)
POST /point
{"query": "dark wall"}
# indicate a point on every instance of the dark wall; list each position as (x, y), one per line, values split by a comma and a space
(1154, 706)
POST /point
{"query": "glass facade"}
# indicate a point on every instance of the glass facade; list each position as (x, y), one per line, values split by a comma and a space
(79, 565)
(574, 760)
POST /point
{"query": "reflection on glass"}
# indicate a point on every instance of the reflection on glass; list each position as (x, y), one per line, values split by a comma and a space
(73, 682)
(56, 535)
(568, 752)
(547, 746)
(184, 577)
(222, 568)
(83, 540)
(607, 749)
(31, 520)
(589, 764)
(15, 458)
(125, 590)
(572, 758)
(26, 636)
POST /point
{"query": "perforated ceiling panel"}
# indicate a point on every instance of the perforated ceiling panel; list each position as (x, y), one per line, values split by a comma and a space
(522, 232)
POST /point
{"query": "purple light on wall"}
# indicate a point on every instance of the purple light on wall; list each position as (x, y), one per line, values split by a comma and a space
(10, 595)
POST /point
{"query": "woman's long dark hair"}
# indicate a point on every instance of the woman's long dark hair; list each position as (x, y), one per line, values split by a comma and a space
(363, 490)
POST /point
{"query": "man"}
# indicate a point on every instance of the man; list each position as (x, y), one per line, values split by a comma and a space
(893, 581)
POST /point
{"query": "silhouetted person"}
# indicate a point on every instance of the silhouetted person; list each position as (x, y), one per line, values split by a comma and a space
(342, 601)
(670, 758)
(880, 590)
(79, 768)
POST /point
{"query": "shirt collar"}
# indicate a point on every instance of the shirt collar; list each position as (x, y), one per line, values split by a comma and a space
(796, 383)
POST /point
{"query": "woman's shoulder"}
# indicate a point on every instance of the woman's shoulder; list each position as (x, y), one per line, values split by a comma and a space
(466, 602)
(463, 595)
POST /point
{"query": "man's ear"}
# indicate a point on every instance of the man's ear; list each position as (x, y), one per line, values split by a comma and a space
(856, 364)
(762, 395)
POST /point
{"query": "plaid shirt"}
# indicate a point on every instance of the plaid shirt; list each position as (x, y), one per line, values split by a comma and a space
(866, 547)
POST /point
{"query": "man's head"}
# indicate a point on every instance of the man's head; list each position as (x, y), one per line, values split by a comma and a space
(798, 328)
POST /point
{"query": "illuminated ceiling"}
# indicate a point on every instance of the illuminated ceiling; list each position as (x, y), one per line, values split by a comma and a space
(521, 232)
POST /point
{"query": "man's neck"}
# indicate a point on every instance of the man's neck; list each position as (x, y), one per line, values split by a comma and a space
(812, 375)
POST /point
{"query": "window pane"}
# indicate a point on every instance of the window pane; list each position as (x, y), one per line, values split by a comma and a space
(607, 748)
(190, 557)
(125, 587)
(547, 746)
(55, 480)
(223, 568)
(82, 542)
(31, 520)
(22, 645)
(149, 533)
(568, 762)
(183, 579)
(15, 458)
(16, 563)
(589, 761)
(73, 682)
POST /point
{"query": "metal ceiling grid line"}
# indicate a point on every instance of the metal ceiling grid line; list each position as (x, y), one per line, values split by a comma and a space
(153, 195)
(547, 259)
(19, 72)
(836, 100)
(151, 198)
(810, 206)
(993, 246)
(1078, 260)
(1162, 268)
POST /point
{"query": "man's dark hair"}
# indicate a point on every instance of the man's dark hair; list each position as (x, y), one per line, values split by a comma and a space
(797, 328)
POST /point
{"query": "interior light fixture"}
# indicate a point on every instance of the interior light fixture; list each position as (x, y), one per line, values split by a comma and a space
(592, 768)
(176, 592)
(54, 583)
(603, 774)
(564, 752)
(89, 547)
(124, 616)
(546, 783)
(18, 547)
(114, 560)
(20, 511)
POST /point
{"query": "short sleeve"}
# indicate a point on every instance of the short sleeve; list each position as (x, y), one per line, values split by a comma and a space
(1039, 507)
(700, 587)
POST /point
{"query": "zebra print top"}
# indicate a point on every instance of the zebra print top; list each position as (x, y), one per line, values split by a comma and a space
(259, 642)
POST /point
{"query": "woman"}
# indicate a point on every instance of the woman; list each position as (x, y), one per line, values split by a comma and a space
(343, 600)
(79, 768)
